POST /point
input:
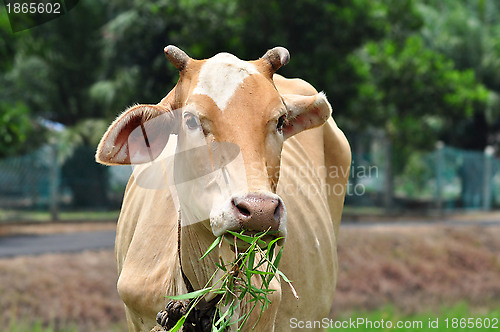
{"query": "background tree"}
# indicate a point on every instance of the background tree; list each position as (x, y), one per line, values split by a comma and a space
(53, 68)
(387, 65)
(16, 127)
(468, 32)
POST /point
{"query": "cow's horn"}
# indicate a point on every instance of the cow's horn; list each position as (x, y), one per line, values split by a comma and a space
(178, 57)
(277, 57)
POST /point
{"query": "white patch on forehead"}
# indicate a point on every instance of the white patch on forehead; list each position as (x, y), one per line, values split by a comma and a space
(220, 76)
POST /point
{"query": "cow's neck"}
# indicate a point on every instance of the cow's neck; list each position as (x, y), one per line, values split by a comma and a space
(194, 242)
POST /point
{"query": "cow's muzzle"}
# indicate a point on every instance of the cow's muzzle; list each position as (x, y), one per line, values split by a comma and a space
(252, 213)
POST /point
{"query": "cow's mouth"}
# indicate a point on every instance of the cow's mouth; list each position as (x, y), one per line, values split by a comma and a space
(263, 241)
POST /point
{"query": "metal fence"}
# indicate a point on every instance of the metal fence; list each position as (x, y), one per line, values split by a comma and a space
(39, 182)
(444, 179)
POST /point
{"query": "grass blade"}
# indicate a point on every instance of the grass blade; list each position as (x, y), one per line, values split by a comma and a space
(248, 239)
(251, 259)
(261, 272)
(250, 251)
(270, 247)
(278, 258)
(179, 324)
(282, 275)
(191, 295)
(212, 247)
(249, 266)
(220, 267)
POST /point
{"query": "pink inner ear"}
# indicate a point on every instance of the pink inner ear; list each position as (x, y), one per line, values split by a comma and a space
(124, 141)
(138, 136)
(309, 119)
(148, 139)
(139, 148)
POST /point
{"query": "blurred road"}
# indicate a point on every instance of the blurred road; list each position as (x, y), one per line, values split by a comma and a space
(21, 245)
(417, 223)
(76, 241)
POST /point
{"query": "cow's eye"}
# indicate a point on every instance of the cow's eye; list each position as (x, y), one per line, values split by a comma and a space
(281, 123)
(192, 121)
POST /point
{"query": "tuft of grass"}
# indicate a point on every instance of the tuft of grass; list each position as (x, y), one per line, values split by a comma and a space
(42, 216)
(417, 268)
(38, 326)
(236, 281)
(60, 292)
(456, 318)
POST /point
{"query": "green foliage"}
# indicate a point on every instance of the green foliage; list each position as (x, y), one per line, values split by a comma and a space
(468, 32)
(236, 281)
(409, 67)
(412, 92)
(15, 124)
(15, 127)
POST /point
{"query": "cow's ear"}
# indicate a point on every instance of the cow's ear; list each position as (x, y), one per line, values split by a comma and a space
(137, 136)
(305, 112)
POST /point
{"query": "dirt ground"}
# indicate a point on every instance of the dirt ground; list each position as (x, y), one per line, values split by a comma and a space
(416, 269)
(61, 289)
(51, 228)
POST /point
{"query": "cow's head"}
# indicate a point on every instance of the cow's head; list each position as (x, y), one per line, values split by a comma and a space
(222, 99)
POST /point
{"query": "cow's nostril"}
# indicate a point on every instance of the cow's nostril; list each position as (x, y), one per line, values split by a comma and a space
(278, 212)
(242, 209)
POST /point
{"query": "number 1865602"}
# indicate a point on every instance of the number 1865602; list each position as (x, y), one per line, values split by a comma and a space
(33, 8)
(472, 323)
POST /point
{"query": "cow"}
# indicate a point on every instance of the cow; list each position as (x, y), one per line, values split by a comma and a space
(292, 166)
